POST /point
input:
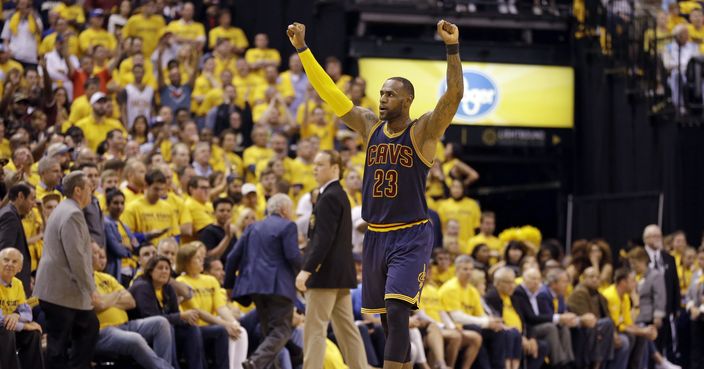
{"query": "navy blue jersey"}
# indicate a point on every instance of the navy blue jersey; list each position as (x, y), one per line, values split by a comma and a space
(393, 189)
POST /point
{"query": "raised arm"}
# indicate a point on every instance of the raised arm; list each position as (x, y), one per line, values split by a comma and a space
(355, 117)
(432, 126)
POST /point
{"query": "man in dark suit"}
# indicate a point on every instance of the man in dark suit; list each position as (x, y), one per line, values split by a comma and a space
(664, 262)
(22, 197)
(553, 328)
(329, 270)
(267, 259)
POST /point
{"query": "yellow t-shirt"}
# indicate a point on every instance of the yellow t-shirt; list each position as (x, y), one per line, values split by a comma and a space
(80, 108)
(177, 203)
(222, 64)
(124, 76)
(509, 314)
(192, 31)
(149, 29)
(71, 13)
(430, 303)
(440, 278)
(142, 217)
(130, 196)
(303, 174)
(248, 85)
(255, 55)
(91, 37)
(206, 294)
(454, 297)
(234, 34)
(49, 43)
(106, 284)
(465, 211)
(96, 132)
(326, 133)
(32, 226)
(253, 155)
(619, 308)
(201, 214)
(11, 296)
(41, 192)
(5, 151)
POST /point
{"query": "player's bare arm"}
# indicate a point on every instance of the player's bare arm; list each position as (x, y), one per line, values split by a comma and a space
(357, 118)
(432, 125)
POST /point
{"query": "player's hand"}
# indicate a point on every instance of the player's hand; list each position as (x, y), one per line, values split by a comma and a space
(448, 32)
(301, 280)
(297, 35)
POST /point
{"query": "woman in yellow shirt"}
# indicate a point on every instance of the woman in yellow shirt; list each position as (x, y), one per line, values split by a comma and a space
(215, 318)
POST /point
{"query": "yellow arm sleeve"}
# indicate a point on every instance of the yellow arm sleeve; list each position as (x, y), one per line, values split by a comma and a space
(324, 85)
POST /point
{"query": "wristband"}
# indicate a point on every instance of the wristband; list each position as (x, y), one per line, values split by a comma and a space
(452, 49)
(302, 49)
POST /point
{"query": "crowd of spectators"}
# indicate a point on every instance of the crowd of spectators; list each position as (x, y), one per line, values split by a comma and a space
(184, 131)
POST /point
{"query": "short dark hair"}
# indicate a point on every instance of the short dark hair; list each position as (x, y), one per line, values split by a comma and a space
(114, 164)
(208, 263)
(222, 200)
(193, 182)
(18, 188)
(335, 159)
(621, 274)
(112, 132)
(155, 176)
(407, 85)
(111, 194)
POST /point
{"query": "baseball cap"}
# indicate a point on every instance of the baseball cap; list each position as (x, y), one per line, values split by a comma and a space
(97, 97)
(57, 149)
(97, 12)
(248, 188)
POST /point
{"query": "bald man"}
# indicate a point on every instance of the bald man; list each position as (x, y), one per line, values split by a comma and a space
(19, 335)
(664, 262)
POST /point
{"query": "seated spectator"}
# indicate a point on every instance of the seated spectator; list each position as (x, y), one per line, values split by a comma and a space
(20, 337)
(586, 301)
(487, 227)
(219, 236)
(187, 31)
(217, 324)
(463, 209)
(154, 296)
(225, 30)
(629, 339)
(123, 337)
(505, 304)
(261, 56)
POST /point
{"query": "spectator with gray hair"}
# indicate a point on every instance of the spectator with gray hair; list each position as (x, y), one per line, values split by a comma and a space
(267, 259)
(50, 174)
(64, 283)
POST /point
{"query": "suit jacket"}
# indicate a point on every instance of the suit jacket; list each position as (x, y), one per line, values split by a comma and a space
(651, 290)
(12, 235)
(329, 254)
(525, 309)
(65, 272)
(267, 258)
(546, 304)
(493, 299)
(114, 248)
(585, 300)
(672, 282)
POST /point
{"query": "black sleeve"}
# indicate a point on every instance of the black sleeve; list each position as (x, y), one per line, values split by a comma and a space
(209, 238)
(146, 303)
(327, 221)
(526, 310)
(8, 228)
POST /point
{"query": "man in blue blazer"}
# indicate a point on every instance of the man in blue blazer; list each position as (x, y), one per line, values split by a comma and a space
(262, 269)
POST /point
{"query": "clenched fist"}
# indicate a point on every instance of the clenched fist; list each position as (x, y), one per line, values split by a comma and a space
(449, 32)
(297, 35)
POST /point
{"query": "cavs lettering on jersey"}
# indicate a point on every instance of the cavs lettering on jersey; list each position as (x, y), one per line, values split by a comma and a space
(393, 190)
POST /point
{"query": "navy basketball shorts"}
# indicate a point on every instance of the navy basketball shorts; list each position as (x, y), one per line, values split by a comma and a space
(394, 265)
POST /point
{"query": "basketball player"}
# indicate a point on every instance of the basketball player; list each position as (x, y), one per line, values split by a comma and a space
(400, 152)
